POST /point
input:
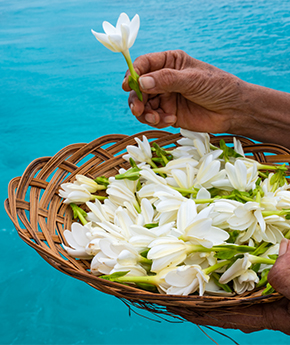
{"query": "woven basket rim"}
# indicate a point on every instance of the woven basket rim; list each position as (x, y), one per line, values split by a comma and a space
(40, 217)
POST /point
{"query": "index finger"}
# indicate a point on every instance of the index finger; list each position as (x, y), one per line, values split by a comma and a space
(154, 61)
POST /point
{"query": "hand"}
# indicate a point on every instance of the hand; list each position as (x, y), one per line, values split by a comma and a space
(181, 91)
(274, 315)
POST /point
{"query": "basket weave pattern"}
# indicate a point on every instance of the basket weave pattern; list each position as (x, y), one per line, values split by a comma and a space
(40, 216)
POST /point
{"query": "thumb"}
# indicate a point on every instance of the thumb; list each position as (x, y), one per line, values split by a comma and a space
(279, 275)
(166, 80)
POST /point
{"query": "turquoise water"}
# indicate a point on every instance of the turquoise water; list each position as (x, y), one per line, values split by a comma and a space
(60, 86)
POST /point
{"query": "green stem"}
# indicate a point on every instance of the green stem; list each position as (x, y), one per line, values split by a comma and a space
(185, 190)
(276, 213)
(99, 197)
(258, 197)
(271, 167)
(197, 248)
(261, 249)
(216, 266)
(81, 218)
(137, 207)
(128, 59)
(137, 279)
(259, 260)
(143, 260)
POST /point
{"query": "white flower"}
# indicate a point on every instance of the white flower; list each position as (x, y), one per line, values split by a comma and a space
(168, 204)
(182, 178)
(179, 163)
(238, 146)
(121, 191)
(246, 217)
(78, 240)
(273, 232)
(132, 269)
(88, 183)
(74, 193)
(223, 210)
(121, 37)
(245, 282)
(98, 213)
(197, 227)
(209, 172)
(113, 252)
(150, 176)
(140, 154)
(185, 280)
(142, 237)
(239, 267)
(203, 259)
(283, 197)
(240, 177)
(167, 251)
(201, 141)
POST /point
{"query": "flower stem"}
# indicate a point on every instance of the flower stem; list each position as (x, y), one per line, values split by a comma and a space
(133, 78)
(216, 266)
(128, 59)
(99, 197)
(137, 279)
(259, 260)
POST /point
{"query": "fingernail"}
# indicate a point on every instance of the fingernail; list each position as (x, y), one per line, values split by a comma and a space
(170, 119)
(131, 107)
(283, 246)
(146, 83)
(151, 118)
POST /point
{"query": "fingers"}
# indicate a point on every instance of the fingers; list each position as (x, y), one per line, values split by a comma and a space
(175, 59)
(279, 275)
(248, 319)
(152, 110)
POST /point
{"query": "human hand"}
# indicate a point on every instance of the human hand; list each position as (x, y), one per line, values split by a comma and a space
(274, 315)
(181, 91)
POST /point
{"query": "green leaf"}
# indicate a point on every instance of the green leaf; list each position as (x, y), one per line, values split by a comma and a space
(225, 255)
(144, 253)
(151, 225)
(114, 276)
(256, 267)
(225, 287)
(131, 174)
(132, 163)
(135, 86)
(77, 211)
(273, 256)
(102, 180)
(264, 278)
(233, 236)
(268, 290)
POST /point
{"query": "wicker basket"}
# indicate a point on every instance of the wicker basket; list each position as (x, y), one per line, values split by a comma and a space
(40, 216)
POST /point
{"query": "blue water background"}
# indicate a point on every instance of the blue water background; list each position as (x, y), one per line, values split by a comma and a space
(59, 86)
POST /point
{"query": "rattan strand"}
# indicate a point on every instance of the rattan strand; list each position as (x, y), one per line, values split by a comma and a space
(40, 216)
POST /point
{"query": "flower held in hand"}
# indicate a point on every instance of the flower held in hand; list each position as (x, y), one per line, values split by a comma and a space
(120, 39)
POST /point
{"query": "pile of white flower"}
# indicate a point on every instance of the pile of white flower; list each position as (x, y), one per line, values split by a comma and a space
(198, 218)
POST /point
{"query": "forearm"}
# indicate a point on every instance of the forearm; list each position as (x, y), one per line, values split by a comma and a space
(264, 115)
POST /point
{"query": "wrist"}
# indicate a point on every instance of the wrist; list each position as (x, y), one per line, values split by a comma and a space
(263, 114)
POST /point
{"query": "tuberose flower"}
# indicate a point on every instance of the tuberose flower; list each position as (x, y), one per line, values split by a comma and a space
(78, 240)
(121, 37)
(185, 280)
(140, 154)
(74, 193)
